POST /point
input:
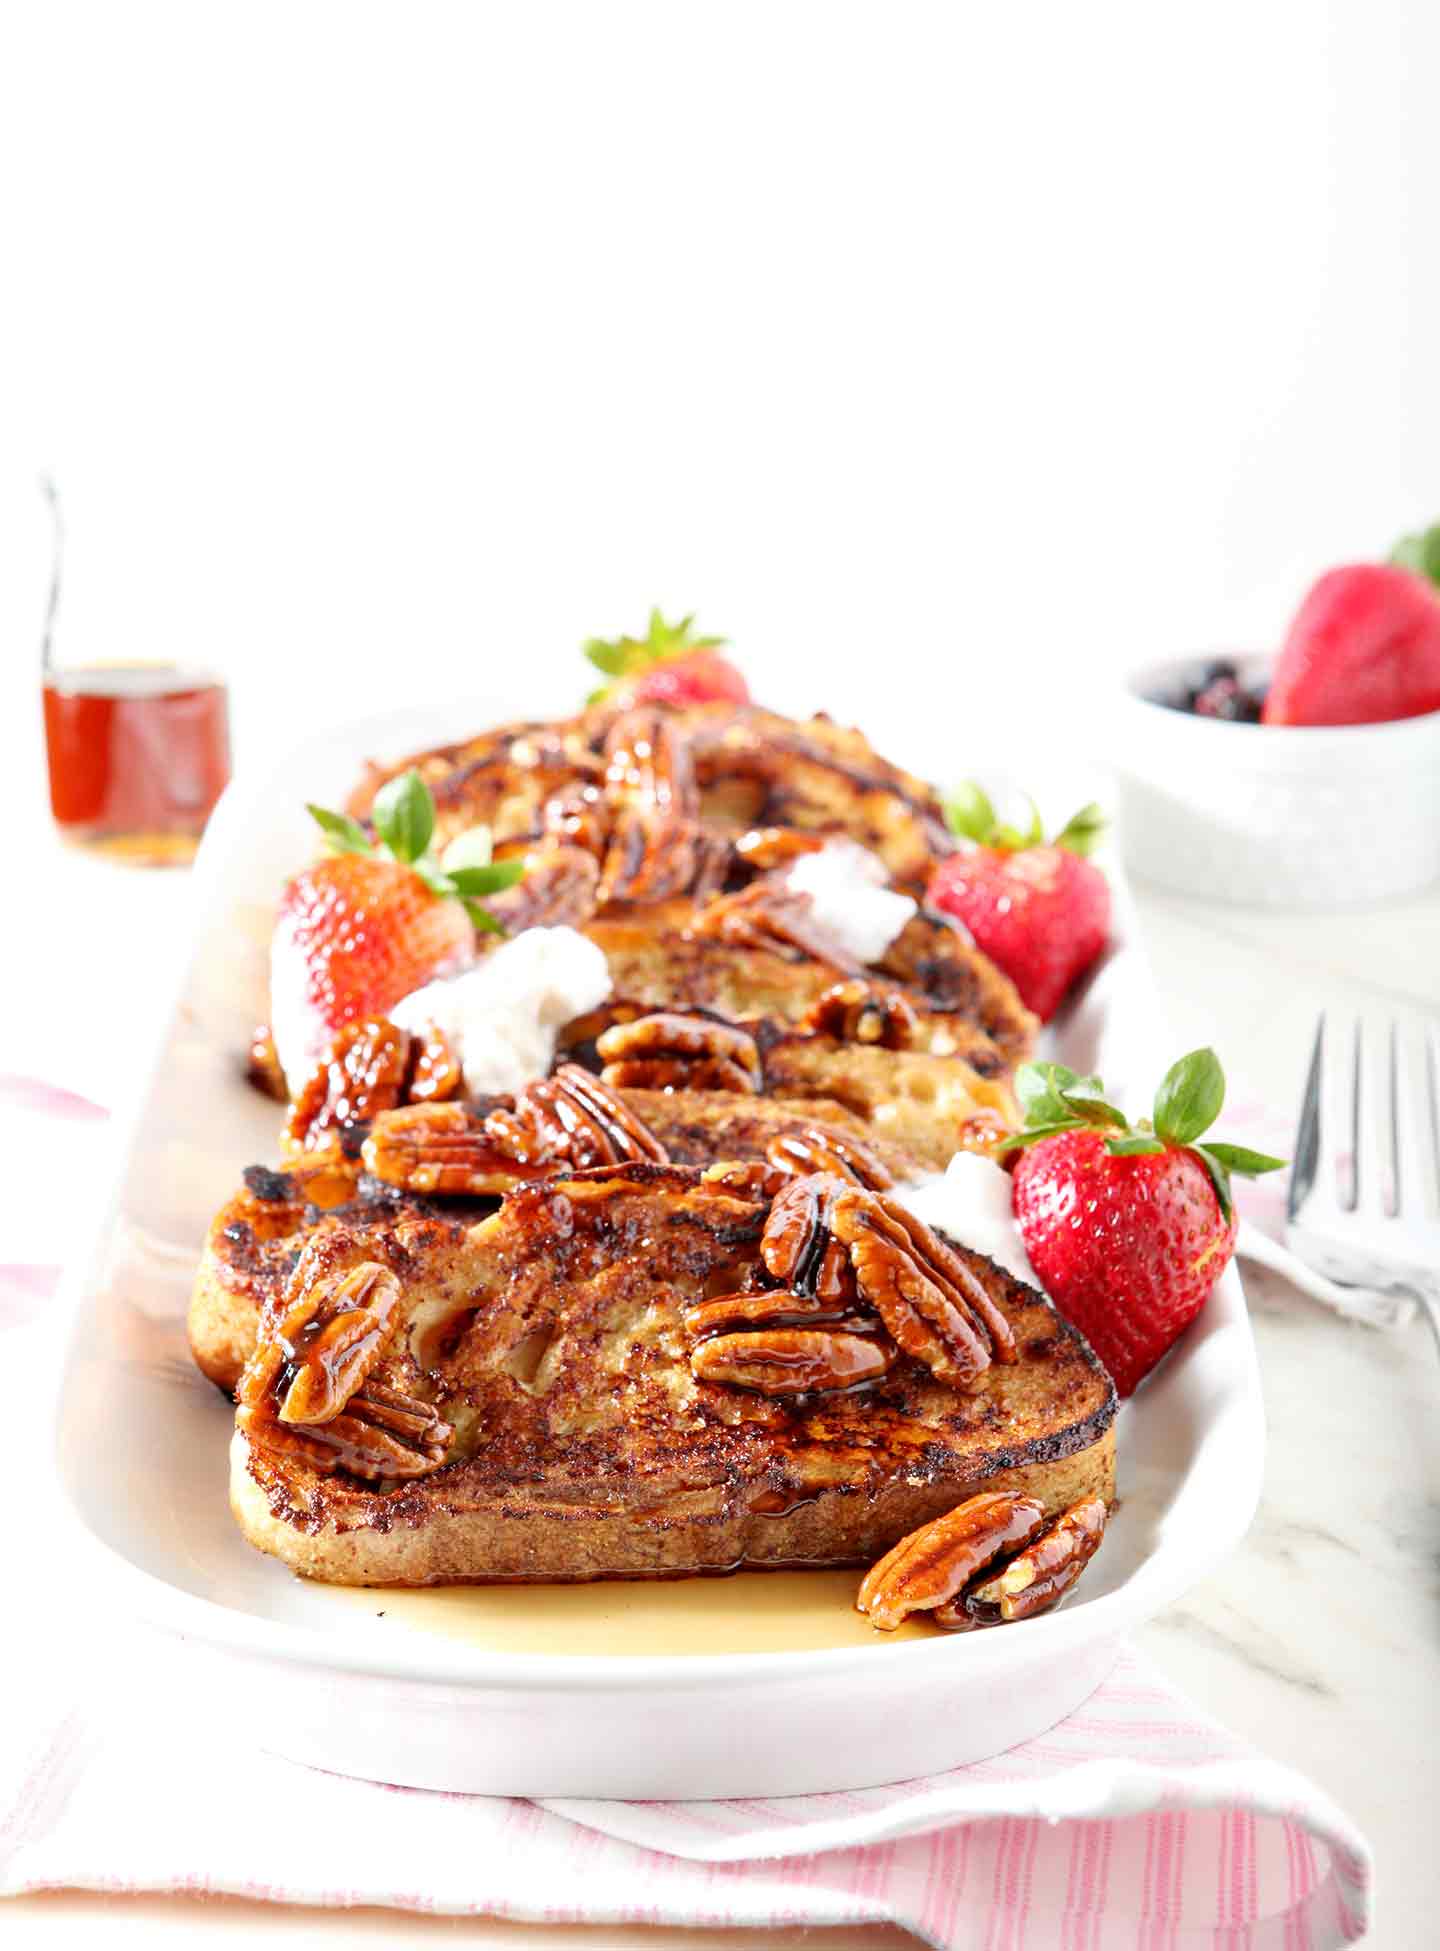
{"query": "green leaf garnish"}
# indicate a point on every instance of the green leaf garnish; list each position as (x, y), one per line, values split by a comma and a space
(1190, 1097)
(1187, 1103)
(342, 834)
(1420, 552)
(404, 819)
(470, 881)
(472, 848)
(970, 813)
(404, 816)
(620, 657)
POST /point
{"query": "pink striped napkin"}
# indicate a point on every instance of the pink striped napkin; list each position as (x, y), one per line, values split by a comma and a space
(1138, 1822)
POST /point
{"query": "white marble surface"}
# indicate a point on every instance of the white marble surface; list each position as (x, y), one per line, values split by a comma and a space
(1319, 1639)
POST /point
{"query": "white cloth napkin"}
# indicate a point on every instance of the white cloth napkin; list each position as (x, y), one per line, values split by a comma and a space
(1137, 1822)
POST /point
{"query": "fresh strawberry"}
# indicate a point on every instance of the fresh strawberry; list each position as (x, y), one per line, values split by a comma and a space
(1364, 648)
(667, 666)
(1128, 1227)
(1040, 909)
(375, 919)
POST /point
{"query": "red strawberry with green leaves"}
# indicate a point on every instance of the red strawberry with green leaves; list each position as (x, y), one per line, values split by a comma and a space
(1128, 1227)
(1364, 647)
(1038, 908)
(374, 920)
(669, 665)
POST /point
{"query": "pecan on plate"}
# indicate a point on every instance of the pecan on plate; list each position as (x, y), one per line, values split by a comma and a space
(561, 888)
(573, 1120)
(435, 1071)
(655, 844)
(843, 1157)
(766, 848)
(362, 1073)
(863, 1012)
(798, 1245)
(434, 1148)
(927, 1569)
(310, 1390)
(667, 1050)
(1036, 1578)
(262, 1065)
(567, 1121)
(771, 916)
(931, 1303)
(791, 1361)
(771, 1307)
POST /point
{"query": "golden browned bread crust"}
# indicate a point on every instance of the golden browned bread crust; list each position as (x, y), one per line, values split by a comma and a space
(552, 1339)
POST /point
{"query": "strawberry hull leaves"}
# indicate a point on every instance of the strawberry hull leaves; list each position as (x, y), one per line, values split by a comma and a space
(403, 817)
(1190, 1098)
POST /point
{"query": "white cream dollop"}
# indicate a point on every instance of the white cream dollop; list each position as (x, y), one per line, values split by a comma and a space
(849, 898)
(973, 1201)
(502, 1016)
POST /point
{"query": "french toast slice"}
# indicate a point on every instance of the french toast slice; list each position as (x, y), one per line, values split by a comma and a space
(519, 1399)
(256, 1237)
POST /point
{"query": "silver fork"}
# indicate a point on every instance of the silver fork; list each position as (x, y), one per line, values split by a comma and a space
(1364, 1204)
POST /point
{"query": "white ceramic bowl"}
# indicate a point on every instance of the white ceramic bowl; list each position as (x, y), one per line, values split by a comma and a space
(1274, 816)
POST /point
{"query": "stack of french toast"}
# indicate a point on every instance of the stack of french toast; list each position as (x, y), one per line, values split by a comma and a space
(661, 1307)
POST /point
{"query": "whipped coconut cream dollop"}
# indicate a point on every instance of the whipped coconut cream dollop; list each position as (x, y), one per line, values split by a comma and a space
(973, 1201)
(849, 897)
(502, 1016)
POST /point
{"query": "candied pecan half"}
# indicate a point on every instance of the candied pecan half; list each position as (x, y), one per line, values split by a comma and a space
(655, 842)
(798, 1245)
(770, 916)
(812, 1150)
(863, 1012)
(928, 1299)
(578, 1121)
(262, 1066)
(791, 1361)
(383, 1434)
(765, 848)
(667, 1050)
(437, 1148)
(929, 1567)
(770, 1307)
(362, 1073)
(561, 888)
(331, 1335)
(1036, 1578)
(435, 1073)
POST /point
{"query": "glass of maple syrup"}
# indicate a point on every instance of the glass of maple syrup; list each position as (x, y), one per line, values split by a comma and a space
(138, 753)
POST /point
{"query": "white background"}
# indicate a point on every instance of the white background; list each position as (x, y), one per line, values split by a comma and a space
(946, 357)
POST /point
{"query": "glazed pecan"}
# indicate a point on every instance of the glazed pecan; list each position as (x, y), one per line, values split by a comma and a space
(655, 846)
(765, 848)
(863, 1012)
(331, 1335)
(928, 1568)
(569, 1120)
(769, 1307)
(667, 1050)
(573, 1119)
(929, 1300)
(436, 1148)
(771, 916)
(383, 1435)
(435, 1071)
(798, 1245)
(812, 1150)
(578, 817)
(791, 1361)
(262, 1066)
(1036, 1578)
(561, 888)
(362, 1073)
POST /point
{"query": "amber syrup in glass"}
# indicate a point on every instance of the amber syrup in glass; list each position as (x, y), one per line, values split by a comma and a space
(138, 756)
